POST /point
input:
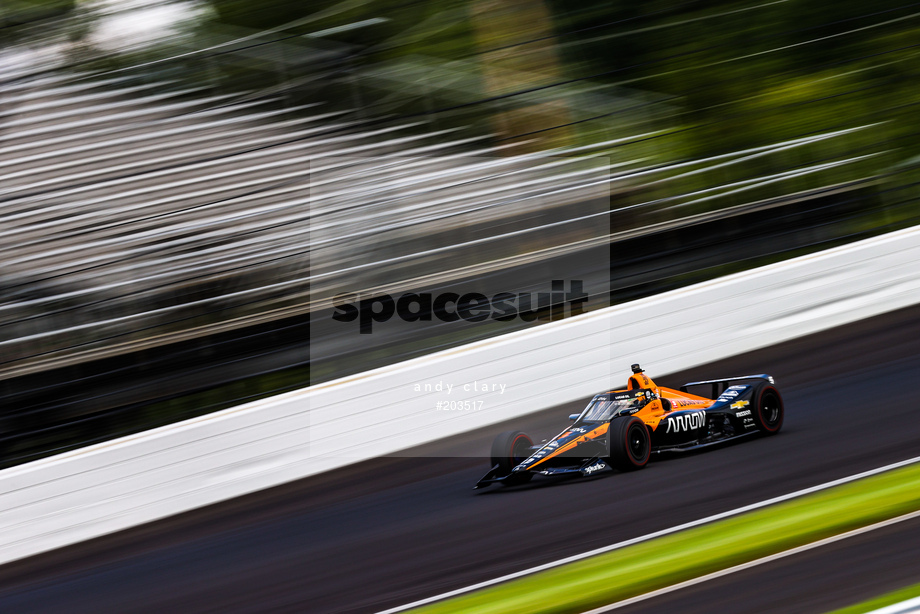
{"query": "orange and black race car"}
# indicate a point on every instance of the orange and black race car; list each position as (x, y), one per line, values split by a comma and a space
(620, 429)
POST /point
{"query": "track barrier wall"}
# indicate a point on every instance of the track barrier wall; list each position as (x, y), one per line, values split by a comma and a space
(115, 485)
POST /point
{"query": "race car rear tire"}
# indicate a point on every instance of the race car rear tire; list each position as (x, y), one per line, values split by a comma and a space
(509, 450)
(768, 409)
(629, 445)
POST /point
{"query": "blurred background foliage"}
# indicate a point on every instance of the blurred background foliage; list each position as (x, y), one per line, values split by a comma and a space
(748, 73)
(18, 18)
(709, 78)
(712, 77)
(21, 12)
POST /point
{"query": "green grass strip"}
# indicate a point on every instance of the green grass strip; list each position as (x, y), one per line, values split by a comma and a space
(880, 602)
(664, 561)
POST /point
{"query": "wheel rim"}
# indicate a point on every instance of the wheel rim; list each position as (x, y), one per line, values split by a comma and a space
(519, 450)
(637, 442)
(770, 410)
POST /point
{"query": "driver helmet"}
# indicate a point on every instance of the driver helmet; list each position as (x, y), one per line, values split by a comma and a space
(642, 398)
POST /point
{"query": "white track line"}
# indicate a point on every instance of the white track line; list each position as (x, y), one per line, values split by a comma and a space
(754, 563)
(911, 605)
(636, 540)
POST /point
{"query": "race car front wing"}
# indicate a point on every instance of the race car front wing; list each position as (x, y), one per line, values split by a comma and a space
(589, 467)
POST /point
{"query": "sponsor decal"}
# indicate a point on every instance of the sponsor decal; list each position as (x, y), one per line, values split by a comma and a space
(740, 404)
(596, 467)
(547, 449)
(686, 422)
(579, 430)
(686, 402)
(731, 392)
(746, 412)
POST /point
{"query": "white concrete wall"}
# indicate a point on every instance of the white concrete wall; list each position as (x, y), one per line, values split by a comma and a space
(111, 486)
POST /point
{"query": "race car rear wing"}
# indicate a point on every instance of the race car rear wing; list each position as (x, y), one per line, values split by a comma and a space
(719, 385)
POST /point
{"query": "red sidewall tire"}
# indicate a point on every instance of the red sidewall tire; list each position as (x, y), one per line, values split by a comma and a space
(508, 450)
(629, 444)
(768, 409)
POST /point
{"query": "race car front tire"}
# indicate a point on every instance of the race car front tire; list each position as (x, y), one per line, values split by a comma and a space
(629, 445)
(509, 450)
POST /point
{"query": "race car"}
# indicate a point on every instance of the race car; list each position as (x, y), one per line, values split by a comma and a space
(620, 429)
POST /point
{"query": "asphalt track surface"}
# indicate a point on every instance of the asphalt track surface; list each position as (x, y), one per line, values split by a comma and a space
(394, 530)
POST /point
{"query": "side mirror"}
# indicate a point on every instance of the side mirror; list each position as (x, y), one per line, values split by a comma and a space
(574, 417)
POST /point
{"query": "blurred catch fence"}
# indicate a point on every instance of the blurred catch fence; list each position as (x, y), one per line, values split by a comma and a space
(175, 233)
